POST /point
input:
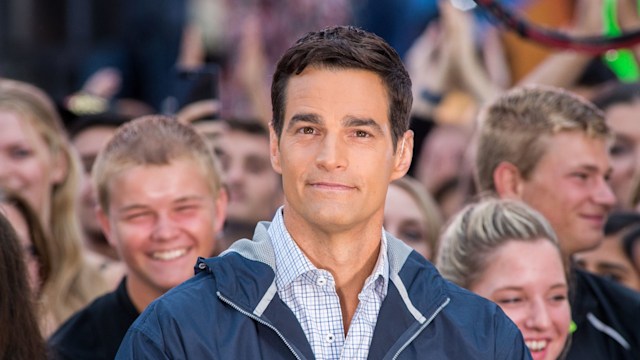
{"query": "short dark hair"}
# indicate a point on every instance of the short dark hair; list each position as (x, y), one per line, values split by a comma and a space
(248, 126)
(620, 93)
(621, 220)
(346, 47)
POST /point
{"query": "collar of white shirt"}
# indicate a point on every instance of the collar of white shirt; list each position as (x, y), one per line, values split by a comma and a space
(291, 263)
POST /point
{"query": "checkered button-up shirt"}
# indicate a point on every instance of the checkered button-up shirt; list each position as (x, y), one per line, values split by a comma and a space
(311, 294)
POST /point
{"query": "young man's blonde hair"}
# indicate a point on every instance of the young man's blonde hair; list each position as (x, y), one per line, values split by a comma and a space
(153, 140)
(479, 230)
(516, 127)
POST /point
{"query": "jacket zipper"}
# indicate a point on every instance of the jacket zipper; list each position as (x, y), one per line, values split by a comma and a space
(421, 328)
(252, 316)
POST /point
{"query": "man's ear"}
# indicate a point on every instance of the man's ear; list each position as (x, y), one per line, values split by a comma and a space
(221, 209)
(274, 150)
(508, 180)
(404, 155)
(103, 219)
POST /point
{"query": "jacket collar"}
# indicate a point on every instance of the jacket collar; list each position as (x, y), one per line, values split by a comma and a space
(416, 290)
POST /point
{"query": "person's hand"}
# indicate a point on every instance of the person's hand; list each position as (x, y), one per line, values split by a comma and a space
(104, 83)
(429, 63)
(628, 20)
(587, 18)
(251, 67)
(192, 53)
(460, 28)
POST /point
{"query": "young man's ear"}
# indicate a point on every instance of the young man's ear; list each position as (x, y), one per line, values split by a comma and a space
(274, 149)
(222, 201)
(404, 155)
(508, 180)
(103, 219)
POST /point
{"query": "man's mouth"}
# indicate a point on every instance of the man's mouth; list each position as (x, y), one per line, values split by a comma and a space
(166, 255)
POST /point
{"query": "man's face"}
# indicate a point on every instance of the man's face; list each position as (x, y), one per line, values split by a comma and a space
(609, 260)
(569, 187)
(625, 152)
(160, 219)
(336, 154)
(88, 143)
(254, 188)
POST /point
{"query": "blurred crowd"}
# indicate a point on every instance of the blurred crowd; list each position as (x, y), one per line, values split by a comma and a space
(88, 194)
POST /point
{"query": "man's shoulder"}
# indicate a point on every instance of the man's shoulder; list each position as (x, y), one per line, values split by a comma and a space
(426, 286)
(605, 291)
(606, 313)
(229, 274)
(454, 313)
(96, 329)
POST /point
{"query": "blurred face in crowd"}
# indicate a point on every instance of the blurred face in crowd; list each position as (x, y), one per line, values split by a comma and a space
(254, 188)
(26, 164)
(403, 218)
(609, 260)
(160, 219)
(88, 143)
(625, 152)
(21, 228)
(336, 153)
(532, 291)
(569, 187)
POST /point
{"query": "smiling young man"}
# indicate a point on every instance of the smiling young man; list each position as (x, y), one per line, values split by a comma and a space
(550, 149)
(160, 206)
(323, 280)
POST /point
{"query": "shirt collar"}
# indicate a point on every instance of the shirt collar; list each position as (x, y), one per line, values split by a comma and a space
(292, 263)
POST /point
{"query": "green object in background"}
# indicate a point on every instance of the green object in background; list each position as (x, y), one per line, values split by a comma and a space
(572, 327)
(622, 62)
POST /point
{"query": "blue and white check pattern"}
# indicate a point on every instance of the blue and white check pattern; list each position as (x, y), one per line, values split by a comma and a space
(311, 294)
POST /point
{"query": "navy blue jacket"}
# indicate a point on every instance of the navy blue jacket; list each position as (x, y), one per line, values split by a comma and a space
(231, 310)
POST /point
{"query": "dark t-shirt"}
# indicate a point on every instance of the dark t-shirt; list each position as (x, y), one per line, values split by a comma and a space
(607, 316)
(96, 331)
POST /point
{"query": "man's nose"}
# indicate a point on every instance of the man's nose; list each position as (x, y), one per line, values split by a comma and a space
(331, 153)
(165, 228)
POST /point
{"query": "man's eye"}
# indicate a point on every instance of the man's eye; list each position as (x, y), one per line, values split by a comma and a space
(619, 150)
(136, 216)
(307, 130)
(361, 133)
(581, 176)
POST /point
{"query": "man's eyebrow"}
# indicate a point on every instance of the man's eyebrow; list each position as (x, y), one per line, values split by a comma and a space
(132, 207)
(188, 198)
(592, 168)
(368, 122)
(604, 266)
(306, 117)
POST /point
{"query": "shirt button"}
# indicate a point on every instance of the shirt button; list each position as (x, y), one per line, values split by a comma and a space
(322, 281)
(329, 338)
(202, 266)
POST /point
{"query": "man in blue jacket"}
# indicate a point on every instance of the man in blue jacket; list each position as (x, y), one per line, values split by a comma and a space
(323, 280)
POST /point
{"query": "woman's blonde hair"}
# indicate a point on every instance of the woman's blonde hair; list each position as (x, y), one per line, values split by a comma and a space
(477, 231)
(431, 216)
(72, 283)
